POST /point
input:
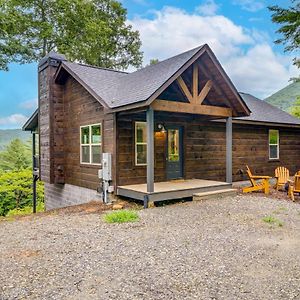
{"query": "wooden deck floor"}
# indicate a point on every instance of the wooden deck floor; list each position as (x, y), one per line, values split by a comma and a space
(168, 190)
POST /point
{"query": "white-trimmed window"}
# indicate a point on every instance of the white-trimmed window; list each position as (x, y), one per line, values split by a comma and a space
(273, 144)
(140, 143)
(90, 144)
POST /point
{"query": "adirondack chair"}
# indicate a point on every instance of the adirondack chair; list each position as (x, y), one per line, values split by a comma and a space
(294, 186)
(282, 176)
(256, 185)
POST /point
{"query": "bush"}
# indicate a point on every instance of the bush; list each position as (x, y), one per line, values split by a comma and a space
(27, 210)
(121, 216)
(16, 191)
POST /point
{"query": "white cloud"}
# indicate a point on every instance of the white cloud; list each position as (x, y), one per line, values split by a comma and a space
(250, 5)
(208, 8)
(29, 104)
(246, 55)
(13, 121)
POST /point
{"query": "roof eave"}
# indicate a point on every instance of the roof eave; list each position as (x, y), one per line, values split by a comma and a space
(239, 121)
(32, 123)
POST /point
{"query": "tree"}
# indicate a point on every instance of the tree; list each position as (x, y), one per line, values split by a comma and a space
(295, 109)
(289, 19)
(89, 31)
(154, 61)
(16, 156)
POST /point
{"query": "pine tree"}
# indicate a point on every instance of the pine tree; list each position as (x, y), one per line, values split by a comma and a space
(16, 156)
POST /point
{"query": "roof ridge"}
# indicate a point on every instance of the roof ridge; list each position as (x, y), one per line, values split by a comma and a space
(169, 58)
(96, 67)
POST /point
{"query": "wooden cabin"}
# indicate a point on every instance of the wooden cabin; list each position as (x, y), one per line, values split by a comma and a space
(170, 130)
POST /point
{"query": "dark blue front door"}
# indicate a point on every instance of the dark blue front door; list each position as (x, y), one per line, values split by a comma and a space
(174, 165)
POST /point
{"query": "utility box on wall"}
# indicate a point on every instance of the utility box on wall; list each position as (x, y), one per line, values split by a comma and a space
(106, 166)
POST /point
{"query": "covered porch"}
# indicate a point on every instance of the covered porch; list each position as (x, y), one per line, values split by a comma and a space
(177, 123)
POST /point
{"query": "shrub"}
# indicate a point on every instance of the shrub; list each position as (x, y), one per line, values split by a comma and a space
(121, 216)
(16, 191)
(27, 210)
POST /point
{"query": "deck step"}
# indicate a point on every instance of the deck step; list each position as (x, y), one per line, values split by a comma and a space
(213, 194)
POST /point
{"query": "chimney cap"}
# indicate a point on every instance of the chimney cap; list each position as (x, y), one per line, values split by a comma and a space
(52, 56)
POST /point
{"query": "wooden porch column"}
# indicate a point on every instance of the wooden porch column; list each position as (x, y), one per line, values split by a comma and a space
(150, 150)
(229, 150)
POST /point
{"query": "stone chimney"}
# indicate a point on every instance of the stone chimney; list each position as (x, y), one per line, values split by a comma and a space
(51, 120)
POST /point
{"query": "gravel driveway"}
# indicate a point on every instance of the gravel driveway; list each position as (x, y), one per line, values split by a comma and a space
(215, 249)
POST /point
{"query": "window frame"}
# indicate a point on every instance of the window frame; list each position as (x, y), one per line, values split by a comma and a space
(277, 144)
(136, 143)
(90, 144)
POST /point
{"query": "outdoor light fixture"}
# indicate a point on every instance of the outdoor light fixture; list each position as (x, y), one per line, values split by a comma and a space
(162, 128)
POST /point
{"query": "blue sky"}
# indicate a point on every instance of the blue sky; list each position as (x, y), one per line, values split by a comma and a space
(240, 32)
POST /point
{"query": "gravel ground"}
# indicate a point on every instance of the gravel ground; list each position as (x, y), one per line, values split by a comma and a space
(215, 249)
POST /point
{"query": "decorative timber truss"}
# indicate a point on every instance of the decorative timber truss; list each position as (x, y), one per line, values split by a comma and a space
(195, 98)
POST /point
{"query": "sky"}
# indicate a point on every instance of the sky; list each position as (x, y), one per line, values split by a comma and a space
(240, 33)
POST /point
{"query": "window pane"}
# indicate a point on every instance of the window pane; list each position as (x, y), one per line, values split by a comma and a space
(273, 137)
(141, 132)
(85, 154)
(96, 154)
(273, 151)
(173, 145)
(85, 134)
(141, 153)
(96, 134)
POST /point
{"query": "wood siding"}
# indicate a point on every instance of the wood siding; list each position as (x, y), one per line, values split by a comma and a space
(205, 149)
(80, 108)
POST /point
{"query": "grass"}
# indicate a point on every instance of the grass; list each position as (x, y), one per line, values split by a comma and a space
(121, 216)
(272, 221)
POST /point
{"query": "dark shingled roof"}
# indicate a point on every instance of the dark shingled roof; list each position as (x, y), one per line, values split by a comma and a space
(261, 111)
(117, 89)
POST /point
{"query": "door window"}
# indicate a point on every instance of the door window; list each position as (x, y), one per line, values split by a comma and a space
(173, 145)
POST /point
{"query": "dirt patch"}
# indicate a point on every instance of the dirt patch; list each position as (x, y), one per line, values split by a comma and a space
(93, 207)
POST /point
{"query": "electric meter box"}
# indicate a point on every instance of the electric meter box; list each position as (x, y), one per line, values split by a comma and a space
(106, 166)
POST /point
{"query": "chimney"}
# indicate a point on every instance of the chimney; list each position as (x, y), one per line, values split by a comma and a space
(51, 120)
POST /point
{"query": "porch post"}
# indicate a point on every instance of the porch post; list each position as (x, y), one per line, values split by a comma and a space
(229, 150)
(150, 150)
(33, 174)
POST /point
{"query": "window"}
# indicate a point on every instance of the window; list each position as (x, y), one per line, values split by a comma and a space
(173, 145)
(273, 144)
(140, 143)
(90, 144)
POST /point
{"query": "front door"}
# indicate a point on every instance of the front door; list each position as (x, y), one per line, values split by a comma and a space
(174, 165)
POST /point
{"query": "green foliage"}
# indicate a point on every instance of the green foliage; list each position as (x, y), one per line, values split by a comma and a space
(7, 135)
(289, 19)
(27, 210)
(295, 109)
(121, 216)
(16, 191)
(272, 221)
(16, 156)
(90, 31)
(154, 61)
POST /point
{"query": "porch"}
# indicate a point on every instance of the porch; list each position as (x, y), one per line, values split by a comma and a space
(173, 189)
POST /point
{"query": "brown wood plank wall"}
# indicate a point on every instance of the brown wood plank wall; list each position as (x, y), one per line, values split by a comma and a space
(80, 108)
(205, 149)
